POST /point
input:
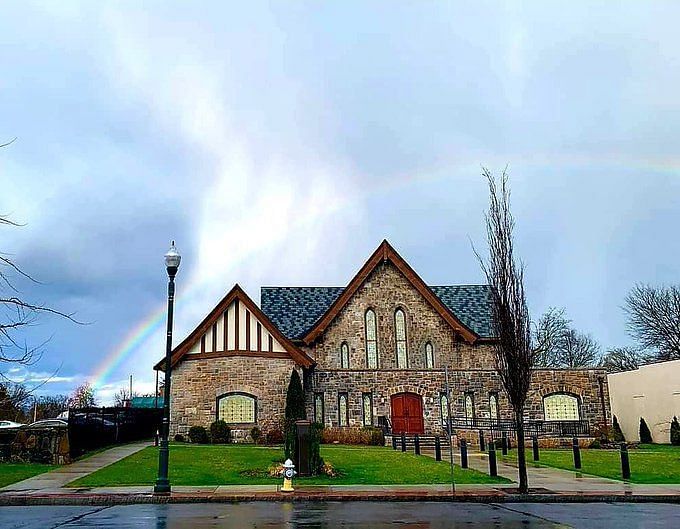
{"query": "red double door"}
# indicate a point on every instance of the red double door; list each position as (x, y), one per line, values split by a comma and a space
(407, 413)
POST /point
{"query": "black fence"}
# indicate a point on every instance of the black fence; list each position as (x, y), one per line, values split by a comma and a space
(531, 427)
(92, 428)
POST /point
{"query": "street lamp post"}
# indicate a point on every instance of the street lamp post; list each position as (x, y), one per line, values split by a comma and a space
(172, 260)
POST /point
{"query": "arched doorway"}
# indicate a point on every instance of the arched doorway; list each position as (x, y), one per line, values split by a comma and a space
(407, 413)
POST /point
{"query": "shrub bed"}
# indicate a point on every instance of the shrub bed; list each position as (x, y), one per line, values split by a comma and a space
(353, 436)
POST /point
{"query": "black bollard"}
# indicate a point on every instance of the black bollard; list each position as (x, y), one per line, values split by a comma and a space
(394, 442)
(625, 462)
(416, 444)
(493, 470)
(577, 453)
(504, 444)
(509, 441)
(463, 454)
(534, 441)
(437, 448)
(482, 448)
(403, 442)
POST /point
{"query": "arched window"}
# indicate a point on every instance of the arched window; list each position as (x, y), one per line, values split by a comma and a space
(400, 338)
(344, 355)
(561, 407)
(493, 406)
(444, 408)
(343, 417)
(371, 340)
(236, 408)
(429, 355)
(367, 405)
(318, 408)
(469, 408)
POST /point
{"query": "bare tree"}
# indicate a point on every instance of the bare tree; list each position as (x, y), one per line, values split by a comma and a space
(622, 359)
(547, 334)
(514, 354)
(17, 313)
(557, 344)
(122, 398)
(12, 400)
(578, 350)
(83, 397)
(654, 319)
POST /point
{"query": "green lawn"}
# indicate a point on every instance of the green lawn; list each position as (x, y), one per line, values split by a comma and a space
(247, 465)
(13, 472)
(648, 463)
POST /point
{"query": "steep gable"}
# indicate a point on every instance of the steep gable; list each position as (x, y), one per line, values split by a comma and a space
(385, 253)
(236, 327)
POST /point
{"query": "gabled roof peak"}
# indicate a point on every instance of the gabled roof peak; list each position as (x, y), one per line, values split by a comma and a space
(385, 252)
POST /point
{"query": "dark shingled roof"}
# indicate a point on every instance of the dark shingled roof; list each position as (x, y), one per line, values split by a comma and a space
(295, 310)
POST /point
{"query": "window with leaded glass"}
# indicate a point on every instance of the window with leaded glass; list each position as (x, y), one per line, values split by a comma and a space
(344, 355)
(343, 412)
(444, 407)
(318, 408)
(429, 355)
(371, 340)
(400, 338)
(493, 406)
(367, 409)
(469, 408)
(236, 408)
(561, 407)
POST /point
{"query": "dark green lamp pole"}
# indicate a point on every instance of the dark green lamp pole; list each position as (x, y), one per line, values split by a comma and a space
(172, 260)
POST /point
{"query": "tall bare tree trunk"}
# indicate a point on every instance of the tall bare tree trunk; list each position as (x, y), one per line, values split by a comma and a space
(521, 453)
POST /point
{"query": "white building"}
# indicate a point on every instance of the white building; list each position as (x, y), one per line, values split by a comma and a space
(651, 392)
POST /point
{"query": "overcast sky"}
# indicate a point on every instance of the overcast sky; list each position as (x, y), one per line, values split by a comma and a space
(280, 143)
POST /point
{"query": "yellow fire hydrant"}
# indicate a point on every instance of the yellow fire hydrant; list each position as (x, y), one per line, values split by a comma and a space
(288, 473)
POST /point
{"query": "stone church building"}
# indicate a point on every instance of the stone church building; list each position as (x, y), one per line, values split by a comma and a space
(372, 353)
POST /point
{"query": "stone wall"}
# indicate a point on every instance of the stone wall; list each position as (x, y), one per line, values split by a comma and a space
(429, 384)
(385, 290)
(196, 384)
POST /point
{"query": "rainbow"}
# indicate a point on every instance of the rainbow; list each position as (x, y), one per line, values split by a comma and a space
(133, 340)
(139, 334)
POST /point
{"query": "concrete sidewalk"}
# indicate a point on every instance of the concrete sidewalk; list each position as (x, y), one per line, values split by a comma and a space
(55, 481)
(547, 485)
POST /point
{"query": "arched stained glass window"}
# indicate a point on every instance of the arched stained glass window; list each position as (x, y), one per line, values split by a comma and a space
(444, 407)
(469, 408)
(400, 338)
(343, 418)
(493, 406)
(236, 408)
(318, 408)
(367, 405)
(344, 355)
(429, 355)
(561, 407)
(371, 340)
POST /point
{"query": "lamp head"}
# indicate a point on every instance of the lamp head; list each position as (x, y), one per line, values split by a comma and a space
(172, 260)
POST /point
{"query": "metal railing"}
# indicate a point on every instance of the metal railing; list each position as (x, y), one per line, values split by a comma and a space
(580, 428)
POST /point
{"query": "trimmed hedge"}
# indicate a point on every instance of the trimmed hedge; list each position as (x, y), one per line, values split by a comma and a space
(198, 435)
(368, 435)
(645, 434)
(219, 433)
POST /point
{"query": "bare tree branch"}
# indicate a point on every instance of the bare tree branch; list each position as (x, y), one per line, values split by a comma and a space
(623, 359)
(654, 319)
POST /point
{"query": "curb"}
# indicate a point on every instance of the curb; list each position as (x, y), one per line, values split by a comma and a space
(178, 498)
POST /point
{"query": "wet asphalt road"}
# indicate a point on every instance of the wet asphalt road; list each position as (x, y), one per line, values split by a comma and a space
(418, 515)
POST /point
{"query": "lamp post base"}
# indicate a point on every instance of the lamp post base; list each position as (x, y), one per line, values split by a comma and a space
(162, 486)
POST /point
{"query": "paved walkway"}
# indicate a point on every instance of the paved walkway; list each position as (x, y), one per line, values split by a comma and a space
(55, 480)
(547, 484)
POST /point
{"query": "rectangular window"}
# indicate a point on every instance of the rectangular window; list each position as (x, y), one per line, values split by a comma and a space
(318, 408)
(367, 408)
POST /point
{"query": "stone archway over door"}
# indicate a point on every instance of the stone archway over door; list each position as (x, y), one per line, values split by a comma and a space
(407, 413)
